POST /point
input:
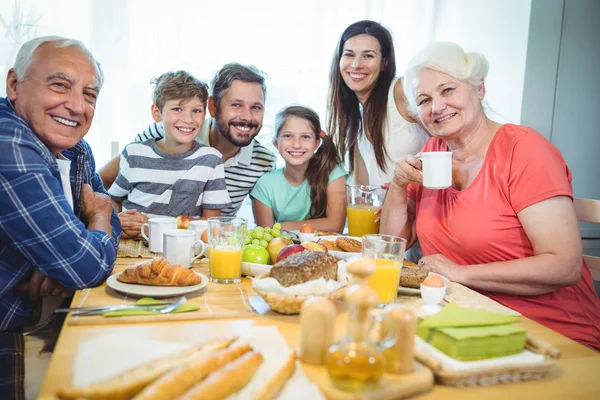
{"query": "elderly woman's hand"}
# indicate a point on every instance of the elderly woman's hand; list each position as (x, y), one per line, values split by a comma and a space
(408, 170)
(440, 264)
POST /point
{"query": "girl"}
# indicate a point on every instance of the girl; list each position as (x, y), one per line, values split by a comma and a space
(311, 186)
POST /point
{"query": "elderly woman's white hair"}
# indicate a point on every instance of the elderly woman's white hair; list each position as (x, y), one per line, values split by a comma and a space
(448, 58)
(26, 54)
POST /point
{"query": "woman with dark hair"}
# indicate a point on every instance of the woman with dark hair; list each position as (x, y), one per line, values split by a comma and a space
(310, 188)
(367, 112)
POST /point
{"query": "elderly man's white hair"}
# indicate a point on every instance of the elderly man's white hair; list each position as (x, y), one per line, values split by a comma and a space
(26, 55)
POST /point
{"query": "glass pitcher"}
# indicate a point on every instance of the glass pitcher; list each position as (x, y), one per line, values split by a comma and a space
(361, 203)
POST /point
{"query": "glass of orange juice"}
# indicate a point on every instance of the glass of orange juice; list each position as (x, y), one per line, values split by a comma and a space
(388, 253)
(361, 203)
(225, 241)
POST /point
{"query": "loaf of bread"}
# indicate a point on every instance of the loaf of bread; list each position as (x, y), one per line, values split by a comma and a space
(413, 277)
(303, 267)
(127, 384)
(159, 272)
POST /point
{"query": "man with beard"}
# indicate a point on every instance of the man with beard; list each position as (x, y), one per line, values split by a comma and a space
(236, 106)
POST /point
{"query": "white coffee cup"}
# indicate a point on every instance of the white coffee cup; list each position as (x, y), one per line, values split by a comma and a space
(437, 169)
(198, 226)
(178, 247)
(156, 226)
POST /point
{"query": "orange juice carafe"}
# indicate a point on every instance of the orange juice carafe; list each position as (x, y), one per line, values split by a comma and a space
(361, 203)
(356, 362)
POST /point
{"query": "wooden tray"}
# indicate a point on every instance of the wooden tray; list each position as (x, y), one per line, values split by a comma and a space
(392, 386)
(497, 374)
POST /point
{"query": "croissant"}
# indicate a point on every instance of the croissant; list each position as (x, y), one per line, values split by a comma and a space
(159, 272)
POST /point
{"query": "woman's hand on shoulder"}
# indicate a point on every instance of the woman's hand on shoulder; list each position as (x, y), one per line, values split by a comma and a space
(408, 170)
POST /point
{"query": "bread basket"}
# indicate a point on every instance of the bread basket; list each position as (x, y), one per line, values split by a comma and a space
(289, 303)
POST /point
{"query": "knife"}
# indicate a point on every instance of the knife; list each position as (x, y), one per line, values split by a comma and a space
(116, 307)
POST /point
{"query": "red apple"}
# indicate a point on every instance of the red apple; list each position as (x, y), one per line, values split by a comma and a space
(289, 250)
(314, 246)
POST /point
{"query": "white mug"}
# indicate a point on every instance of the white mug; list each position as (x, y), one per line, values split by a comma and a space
(198, 226)
(178, 247)
(156, 226)
(437, 169)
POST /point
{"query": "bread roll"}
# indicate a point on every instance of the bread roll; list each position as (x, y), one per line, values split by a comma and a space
(227, 380)
(412, 277)
(180, 380)
(303, 267)
(159, 272)
(128, 383)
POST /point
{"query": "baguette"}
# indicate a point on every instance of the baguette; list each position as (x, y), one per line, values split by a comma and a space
(180, 380)
(274, 385)
(227, 380)
(130, 382)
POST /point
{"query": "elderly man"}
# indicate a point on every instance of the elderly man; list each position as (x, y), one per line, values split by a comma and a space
(236, 105)
(58, 231)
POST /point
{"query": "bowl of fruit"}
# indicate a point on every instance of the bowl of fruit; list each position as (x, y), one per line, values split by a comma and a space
(264, 246)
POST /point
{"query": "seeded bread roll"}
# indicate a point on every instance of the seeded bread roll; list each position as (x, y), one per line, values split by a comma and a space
(413, 277)
(303, 267)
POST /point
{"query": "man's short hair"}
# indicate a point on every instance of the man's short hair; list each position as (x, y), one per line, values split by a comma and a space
(235, 72)
(175, 85)
(26, 55)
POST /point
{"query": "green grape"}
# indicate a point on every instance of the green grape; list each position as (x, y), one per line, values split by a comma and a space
(256, 242)
(268, 230)
(264, 243)
(277, 226)
(268, 237)
(258, 235)
(247, 240)
(275, 232)
(259, 229)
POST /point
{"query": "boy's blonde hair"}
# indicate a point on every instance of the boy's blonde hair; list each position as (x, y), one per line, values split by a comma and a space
(175, 85)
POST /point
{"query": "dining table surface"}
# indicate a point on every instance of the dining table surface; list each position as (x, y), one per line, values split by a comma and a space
(576, 375)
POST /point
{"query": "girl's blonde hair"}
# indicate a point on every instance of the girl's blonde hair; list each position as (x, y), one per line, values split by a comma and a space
(448, 58)
(322, 162)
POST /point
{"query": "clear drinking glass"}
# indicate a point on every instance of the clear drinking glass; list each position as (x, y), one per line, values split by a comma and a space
(225, 241)
(361, 203)
(388, 253)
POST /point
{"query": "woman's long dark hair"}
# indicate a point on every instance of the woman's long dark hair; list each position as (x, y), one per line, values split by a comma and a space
(322, 162)
(343, 112)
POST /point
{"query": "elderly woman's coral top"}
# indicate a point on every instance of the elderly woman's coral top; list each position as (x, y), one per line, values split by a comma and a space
(479, 225)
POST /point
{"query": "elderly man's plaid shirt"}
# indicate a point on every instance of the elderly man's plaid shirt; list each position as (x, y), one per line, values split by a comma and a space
(38, 230)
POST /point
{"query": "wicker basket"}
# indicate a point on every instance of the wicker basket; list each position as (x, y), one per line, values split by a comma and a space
(292, 304)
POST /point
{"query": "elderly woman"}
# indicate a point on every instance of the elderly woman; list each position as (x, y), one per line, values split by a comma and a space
(506, 227)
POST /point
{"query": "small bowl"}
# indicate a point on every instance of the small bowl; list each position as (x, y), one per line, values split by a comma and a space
(306, 236)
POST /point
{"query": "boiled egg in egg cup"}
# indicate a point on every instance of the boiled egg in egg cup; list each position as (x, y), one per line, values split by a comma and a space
(433, 291)
(307, 232)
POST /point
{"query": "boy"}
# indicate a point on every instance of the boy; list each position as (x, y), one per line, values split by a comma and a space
(174, 175)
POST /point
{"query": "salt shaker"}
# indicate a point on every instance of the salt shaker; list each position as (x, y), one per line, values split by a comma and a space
(317, 319)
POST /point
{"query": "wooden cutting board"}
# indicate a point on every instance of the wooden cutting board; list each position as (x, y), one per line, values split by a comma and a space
(391, 387)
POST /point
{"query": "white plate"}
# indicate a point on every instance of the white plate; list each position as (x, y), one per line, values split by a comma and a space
(340, 255)
(154, 291)
(409, 291)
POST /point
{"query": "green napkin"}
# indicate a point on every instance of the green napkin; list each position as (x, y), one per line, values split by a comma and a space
(452, 316)
(467, 334)
(147, 301)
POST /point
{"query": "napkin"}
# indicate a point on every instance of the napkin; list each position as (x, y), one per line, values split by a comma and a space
(470, 334)
(317, 286)
(147, 301)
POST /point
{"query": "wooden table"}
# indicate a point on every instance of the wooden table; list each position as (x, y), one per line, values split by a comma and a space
(576, 378)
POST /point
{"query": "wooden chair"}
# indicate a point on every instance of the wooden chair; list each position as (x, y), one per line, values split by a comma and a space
(588, 210)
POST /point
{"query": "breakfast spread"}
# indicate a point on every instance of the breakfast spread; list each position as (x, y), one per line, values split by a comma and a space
(413, 277)
(303, 267)
(159, 272)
